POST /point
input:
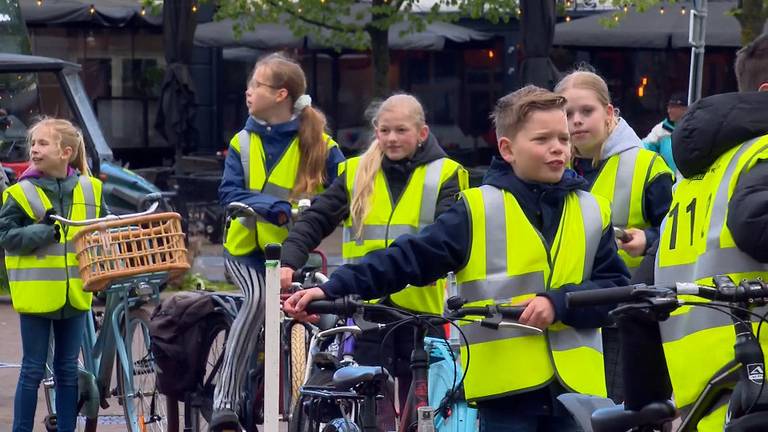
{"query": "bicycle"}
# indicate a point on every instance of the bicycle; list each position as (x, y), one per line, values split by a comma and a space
(353, 390)
(129, 257)
(748, 402)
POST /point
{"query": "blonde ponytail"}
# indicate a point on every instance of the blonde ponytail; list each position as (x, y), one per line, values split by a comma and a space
(365, 178)
(66, 135)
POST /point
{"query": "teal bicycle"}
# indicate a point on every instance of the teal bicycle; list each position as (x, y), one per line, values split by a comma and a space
(129, 258)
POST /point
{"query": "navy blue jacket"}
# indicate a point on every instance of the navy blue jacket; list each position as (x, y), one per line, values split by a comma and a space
(275, 140)
(444, 246)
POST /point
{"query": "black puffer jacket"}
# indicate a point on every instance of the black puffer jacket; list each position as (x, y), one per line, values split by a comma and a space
(713, 126)
(331, 207)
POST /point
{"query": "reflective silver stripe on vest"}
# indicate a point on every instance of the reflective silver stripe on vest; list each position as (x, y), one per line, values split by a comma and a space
(495, 234)
(276, 191)
(56, 274)
(35, 202)
(696, 319)
(593, 229)
(622, 190)
(430, 192)
(715, 260)
(56, 249)
(244, 139)
(429, 196)
(570, 338)
(88, 197)
(501, 287)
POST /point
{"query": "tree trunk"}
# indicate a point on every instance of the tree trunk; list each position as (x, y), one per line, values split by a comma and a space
(752, 16)
(379, 56)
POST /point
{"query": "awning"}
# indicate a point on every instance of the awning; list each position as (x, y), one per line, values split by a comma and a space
(652, 29)
(276, 36)
(112, 13)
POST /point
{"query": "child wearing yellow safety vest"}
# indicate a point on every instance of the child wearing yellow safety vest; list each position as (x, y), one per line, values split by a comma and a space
(717, 224)
(636, 181)
(281, 155)
(529, 235)
(43, 274)
(398, 186)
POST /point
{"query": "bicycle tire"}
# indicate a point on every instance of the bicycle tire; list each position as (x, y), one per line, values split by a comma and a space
(147, 408)
(298, 360)
(200, 402)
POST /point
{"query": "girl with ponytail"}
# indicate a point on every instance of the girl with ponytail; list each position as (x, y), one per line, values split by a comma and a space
(400, 184)
(282, 155)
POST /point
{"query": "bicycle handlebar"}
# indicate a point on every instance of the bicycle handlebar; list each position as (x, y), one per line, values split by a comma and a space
(236, 209)
(724, 290)
(154, 198)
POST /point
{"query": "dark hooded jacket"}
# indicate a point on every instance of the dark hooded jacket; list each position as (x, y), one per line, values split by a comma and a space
(331, 207)
(444, 246)
(711, 127)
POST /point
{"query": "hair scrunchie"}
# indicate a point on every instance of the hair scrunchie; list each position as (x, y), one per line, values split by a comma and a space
(302, 102)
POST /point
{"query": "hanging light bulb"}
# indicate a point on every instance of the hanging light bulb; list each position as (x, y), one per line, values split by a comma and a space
(92, 10)
(683, 11)
(39, 2)
(143, 11)
(626, 8)
(567, 18)
(194, 7)
(616, 18)
(661, 10)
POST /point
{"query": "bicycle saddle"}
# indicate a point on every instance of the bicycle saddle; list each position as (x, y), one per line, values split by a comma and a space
(618, 419)
(347, 377)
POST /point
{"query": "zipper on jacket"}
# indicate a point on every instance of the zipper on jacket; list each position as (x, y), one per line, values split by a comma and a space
(64, 229)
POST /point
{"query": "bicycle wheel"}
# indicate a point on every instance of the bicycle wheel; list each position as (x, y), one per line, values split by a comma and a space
(298, 359)
(200, 403)
(145, 408)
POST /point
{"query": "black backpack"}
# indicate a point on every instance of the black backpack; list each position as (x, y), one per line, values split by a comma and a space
(180, 330)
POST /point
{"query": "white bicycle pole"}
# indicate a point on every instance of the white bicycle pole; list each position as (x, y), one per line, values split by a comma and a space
(272, 339)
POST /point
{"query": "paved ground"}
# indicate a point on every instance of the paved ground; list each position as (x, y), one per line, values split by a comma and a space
(10, 346)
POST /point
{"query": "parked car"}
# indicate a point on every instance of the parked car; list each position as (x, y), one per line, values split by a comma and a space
(32, 87)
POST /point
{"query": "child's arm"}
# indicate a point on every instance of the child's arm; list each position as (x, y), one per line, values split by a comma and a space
(450, 190)
(412, 259)
(608, 271)
(232, 188)
(15, 236)
(316, 223)
(748, 213)
(332, 162)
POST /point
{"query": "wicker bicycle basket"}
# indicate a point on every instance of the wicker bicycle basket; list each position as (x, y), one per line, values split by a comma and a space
(124, 248)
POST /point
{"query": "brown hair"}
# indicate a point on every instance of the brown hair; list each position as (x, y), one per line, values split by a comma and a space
(512, 111)
(286, 73)
(66, 134)
(588, 80)
(370, 161)
(752, 64)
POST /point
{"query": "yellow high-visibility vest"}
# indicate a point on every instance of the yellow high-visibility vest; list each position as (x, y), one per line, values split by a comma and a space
(386, 221)
(696, 245)
(510, 262)
(49, 277)
(622, 181)
(248, 234)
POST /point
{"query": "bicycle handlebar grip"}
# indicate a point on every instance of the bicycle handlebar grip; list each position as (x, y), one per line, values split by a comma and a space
(511, 312)
(339, 306)
(600, 296)
(272, 251)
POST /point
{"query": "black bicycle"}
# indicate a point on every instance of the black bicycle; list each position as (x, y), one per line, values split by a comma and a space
(348, 400)
(748, 401)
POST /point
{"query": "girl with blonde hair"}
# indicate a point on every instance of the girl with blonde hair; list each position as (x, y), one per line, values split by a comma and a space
(399, 185)
(46, 288)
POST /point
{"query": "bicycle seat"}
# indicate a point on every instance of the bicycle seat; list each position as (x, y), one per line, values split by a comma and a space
(618, 419)
(749, 423)
(347, 377)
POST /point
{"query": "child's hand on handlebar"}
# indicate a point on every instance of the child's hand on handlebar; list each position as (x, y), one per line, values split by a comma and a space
(539, 312)
(286, 277)
(636, 245)
(297, 303)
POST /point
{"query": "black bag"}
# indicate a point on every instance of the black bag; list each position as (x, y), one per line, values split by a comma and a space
(180, 330)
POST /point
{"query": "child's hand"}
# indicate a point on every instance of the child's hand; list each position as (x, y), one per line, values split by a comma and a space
(297, 303)
(539, 312)
(635, 247)
(47, 219)
(286, 277)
